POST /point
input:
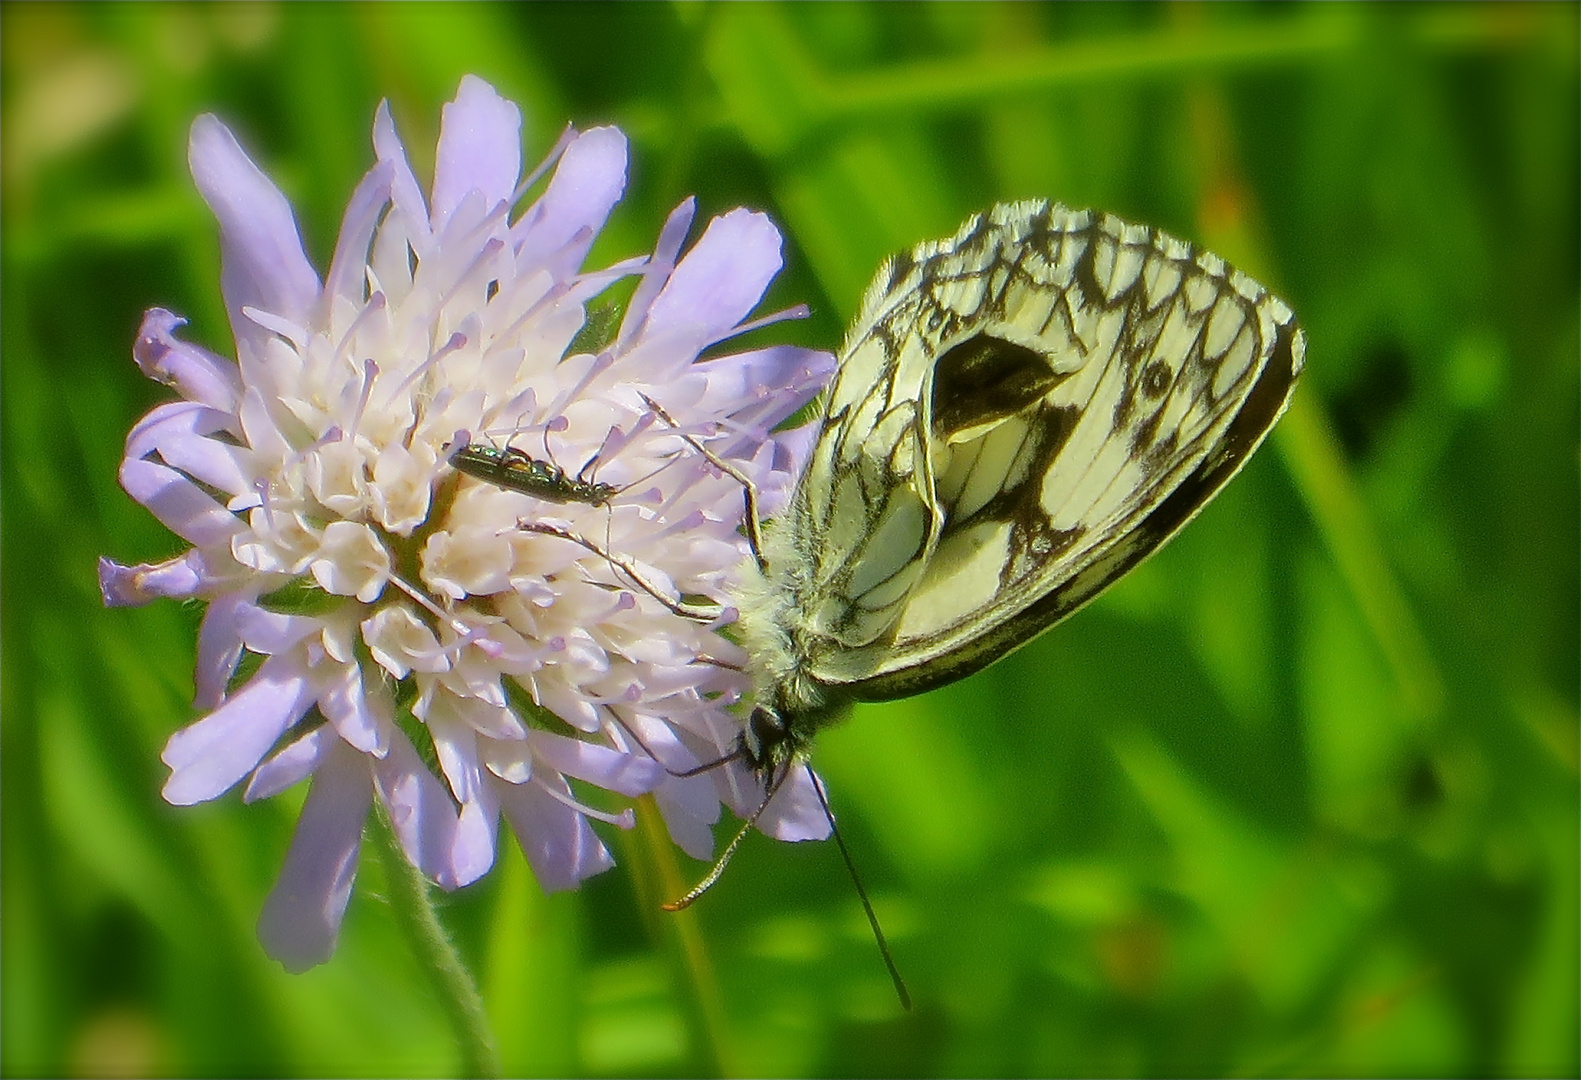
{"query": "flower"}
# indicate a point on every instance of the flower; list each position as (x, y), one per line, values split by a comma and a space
(378, 621)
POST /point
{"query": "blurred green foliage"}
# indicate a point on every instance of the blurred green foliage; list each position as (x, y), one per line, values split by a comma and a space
(1299, 797)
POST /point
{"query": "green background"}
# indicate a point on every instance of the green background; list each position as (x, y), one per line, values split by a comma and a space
(1298, 797)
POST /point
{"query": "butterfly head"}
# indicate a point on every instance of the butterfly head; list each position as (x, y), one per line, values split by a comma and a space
(768, 742)
(781, 727)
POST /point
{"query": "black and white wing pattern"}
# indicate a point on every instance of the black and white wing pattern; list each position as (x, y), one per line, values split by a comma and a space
(1022, 413)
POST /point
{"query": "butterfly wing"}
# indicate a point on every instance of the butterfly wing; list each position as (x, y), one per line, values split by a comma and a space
(864, 520)
(1064, 392)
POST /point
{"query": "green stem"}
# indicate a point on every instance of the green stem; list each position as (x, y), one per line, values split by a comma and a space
(452, 983)
(1228, 219)
(663, 880)
(1314, 457)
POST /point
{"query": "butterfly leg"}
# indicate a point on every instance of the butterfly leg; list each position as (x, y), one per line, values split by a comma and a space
(749, 489)
(694, 612)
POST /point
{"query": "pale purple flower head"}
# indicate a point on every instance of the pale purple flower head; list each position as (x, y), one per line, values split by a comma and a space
(392, 605)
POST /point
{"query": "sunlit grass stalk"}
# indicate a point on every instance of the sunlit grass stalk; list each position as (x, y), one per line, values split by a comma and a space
(412, 898)
(926, 86)
(659, 879)
(1230, 222)
(1312, 454)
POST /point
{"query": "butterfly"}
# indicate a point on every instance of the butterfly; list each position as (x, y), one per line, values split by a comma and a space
(1021, 413)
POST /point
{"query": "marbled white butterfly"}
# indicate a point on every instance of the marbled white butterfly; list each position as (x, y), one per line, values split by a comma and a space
(1021, 414)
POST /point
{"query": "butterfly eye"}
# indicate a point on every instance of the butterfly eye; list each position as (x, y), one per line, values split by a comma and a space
(767, 730)
(985, 379)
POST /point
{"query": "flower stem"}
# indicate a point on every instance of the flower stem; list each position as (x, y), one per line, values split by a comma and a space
(412, 899)
(663, 880)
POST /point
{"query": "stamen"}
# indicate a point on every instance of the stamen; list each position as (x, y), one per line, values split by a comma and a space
(568, 135)
(623, 820)
(468, 635)
(693, 520)
(518, 406)
(601, 363)
(490, 249)
(265, 502)
(376, 303)
(484, 226)
(275, 324)
(370, 372)
(797, 311)
(452, 343)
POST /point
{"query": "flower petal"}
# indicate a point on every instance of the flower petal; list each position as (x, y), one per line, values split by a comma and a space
(131, 586)
(480, 149)
(612, 770)
(221, 466)
(421, 813)
(558, 842)
(220, 646)
(720, 280)
(301, 918)
(180, 505)
(209, 756)
(178, 431)
(295, 762)
(362, 718)
(559, 228)
(273, 632)
(194, 372)
(347, 277)
(401, 642)
(455, 744)
(473, 854)
(405, 191)
(175, 418)
(795, 812)
(657, 272)
(351, 562)
(263, 262)
(760, 389)
(690, 807)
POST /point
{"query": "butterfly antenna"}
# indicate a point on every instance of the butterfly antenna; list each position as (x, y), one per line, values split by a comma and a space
(730, 849)
(867, 905)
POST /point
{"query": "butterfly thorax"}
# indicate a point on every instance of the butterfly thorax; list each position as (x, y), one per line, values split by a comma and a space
(792, 704)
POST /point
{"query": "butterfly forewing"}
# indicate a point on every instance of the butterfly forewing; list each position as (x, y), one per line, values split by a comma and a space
(1022, 413)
